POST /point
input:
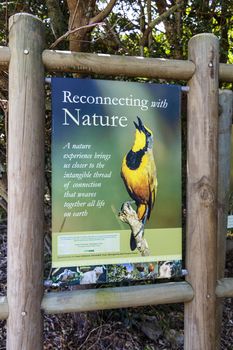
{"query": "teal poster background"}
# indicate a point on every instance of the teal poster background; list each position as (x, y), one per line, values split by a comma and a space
(93, 128)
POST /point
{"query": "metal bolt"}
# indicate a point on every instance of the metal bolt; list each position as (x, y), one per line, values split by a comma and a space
(210, 64)
(23, 313)
(26, 52)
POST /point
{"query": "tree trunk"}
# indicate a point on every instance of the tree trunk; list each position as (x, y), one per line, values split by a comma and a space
(173, 26)
(80, 14)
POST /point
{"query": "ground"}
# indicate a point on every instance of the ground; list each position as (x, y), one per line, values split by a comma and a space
(144, 328)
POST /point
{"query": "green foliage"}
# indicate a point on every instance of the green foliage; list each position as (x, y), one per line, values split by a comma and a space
(128, 21)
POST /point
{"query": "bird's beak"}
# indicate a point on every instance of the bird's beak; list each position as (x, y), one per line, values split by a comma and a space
(140, 127)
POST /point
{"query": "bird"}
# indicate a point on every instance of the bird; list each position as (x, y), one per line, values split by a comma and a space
(138, 172)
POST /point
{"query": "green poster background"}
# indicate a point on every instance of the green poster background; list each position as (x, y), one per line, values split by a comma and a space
(87, 189)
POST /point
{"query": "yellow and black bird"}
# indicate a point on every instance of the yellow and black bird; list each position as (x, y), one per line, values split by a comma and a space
(139, 174)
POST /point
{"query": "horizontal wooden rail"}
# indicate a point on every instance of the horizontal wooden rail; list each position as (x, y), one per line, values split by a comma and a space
(4, 57)
(226, 72)
(80, 62)
(117, 65)
(224, 288)
(3, 308)
(120, 297)
(110, 298)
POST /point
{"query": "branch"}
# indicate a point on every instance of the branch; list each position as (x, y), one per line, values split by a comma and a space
(74, 15)
(158, 20)
(165, 14)
(3, 188)
(69, 32)
(103, 14)
(114, 36)
(129, 216)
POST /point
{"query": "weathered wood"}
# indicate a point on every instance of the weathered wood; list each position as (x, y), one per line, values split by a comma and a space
(226, 72)
(108, 298)
(119, 297)
(117, 65)
(66, 61)
(4, 57)
(224, 288)
(25, 183)
(224, 161)
(4, 312)
(202, 159)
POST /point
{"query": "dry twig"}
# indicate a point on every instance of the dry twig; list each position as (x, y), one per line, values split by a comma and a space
(72, 31)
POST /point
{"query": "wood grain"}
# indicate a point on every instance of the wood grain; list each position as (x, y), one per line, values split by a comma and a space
(25, 183)
(224, 288)
(118, 297)
(202, 172)
(110, 298)
(117, 65)
(79, 62)
(224, 162)
(4, 311)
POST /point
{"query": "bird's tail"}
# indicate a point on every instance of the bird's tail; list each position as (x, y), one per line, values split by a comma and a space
(133, 243)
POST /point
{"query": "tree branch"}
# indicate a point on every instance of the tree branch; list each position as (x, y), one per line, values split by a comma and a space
(165, 14)
(111, 32)
(158, 20)
(74, 15)
(104, 13)
(69, 32)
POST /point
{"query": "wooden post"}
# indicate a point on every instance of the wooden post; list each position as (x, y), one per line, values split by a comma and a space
(224, 161)
(25, 183)
(202, 159)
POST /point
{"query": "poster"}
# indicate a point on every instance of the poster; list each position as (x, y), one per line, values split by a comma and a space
(116, 148)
